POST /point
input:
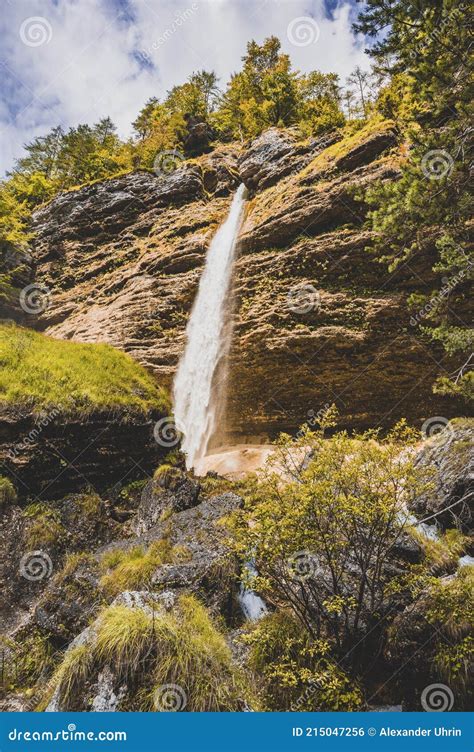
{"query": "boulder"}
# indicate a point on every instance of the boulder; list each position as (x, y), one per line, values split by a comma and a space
(448, 458)
(171, 491)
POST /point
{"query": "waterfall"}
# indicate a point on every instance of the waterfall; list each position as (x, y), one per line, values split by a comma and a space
(251, 604)
(196, 402)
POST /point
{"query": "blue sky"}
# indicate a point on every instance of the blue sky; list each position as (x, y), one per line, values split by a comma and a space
(70, 61)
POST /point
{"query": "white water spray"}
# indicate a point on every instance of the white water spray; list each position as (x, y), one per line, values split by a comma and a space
(195, 406)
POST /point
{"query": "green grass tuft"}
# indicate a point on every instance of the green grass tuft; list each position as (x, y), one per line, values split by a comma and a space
(7, 492)
(444, 552)
(131, 569)
(44, 528)
(181, 647)
(124, 638)
(73, 672)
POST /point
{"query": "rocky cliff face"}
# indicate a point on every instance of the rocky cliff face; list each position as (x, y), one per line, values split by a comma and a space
(122, 258)
(51, 453)
(317, 319)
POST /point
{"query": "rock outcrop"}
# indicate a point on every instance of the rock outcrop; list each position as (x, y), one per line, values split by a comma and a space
(317, 318)
(172, 491)
(52, 453)
(448, 458)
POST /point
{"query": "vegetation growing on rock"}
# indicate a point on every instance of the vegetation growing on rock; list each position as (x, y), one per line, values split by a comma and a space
(132, 569)
(7, 492)
(149, 648)
(299, 674)
(40, 372)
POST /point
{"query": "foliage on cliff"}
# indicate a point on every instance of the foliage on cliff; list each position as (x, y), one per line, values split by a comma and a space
(39, 371)
(424, 52)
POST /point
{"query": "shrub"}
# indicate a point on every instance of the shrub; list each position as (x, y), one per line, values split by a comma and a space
(24, 662)
(298, 673)
(451, 604)
(321, 536)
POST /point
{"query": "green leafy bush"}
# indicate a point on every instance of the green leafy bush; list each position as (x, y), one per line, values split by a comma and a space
(298, 673)
(321, 534)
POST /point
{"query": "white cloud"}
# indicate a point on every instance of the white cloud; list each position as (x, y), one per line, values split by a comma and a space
(92, 65)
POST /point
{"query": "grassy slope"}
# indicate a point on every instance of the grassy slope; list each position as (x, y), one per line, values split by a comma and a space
(40, 371)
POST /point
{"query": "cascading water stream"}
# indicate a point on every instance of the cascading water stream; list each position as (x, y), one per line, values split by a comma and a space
(195, 398)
